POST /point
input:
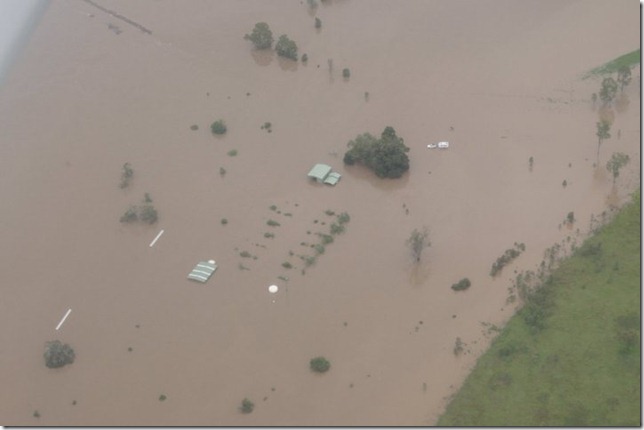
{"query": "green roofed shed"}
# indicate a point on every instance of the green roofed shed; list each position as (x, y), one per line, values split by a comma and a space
(323, 174)
(203, 271)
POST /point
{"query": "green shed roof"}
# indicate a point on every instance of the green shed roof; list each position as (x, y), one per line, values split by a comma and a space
(203, 271)
(320, 171)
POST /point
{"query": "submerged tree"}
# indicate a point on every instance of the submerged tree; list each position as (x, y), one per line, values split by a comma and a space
(261, 36)
(386, 156)
(57, 354)
(616, 162)
(417, 242)
(603, 132)
(285, 47)
(608, 90)
(623, 77)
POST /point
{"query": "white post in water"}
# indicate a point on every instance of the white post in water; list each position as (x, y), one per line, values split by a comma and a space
(64, 318)
(156, 238)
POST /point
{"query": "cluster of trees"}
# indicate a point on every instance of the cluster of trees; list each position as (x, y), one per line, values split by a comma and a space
(146, 212)
(262, 38)
(58, 354)
(507, 257)
(610, 85)
(386, 156)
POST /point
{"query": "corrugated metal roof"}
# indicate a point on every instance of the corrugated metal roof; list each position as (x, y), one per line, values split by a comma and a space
(332, 178)
(320, 171)
(203, 271)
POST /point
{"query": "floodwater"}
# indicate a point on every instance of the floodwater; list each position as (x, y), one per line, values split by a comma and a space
(499, 79)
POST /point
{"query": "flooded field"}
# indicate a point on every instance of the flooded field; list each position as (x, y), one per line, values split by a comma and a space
(500, 80)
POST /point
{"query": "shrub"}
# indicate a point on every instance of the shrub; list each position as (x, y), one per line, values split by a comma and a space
(218, 127)
(261, 36)
(126, 175)
(130, 215)
(232, 153)
(285, 47)
(329, 212)
(149, 214)
(58, 354)
(318, 23)
(287, 265)
(194, 127)
(224, 221)
(463, 284)
(245, 254)
(305, 58)
(272, 223)
(319, 248)
(246, 406)
(346, 73)
(337, 228)
(458, 346)
(162, 397)
(273, 208)
(320, 364)
(570, 217)
(326, 238)
(507, 257)
(222, 172)
(268, 235)
(344, 218)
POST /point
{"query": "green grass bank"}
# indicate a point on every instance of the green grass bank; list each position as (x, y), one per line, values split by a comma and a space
(579, 363)
(630, 60)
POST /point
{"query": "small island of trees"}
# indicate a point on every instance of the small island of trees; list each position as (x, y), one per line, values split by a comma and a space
(386, 156)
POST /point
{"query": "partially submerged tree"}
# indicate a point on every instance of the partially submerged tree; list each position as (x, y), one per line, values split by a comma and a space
(623, 77)
(386, 156)
(261, 36)
(616, 162)
(58, 354)
(608, 90)
(603, 132)
(418, 241)
(285, 47)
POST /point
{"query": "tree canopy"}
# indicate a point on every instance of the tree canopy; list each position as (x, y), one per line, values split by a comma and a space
(386, 156)
(285, 47)
(58, 354)
(261, 36)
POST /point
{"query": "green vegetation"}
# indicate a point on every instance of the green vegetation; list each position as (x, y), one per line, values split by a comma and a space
(346, 73)
(162, 397)
(564, 183)
(285, 47)
(224, 221)
(571, 356)
(531, 162)
(272, 223)
(459, 346)
(615, 164)
(507, 257)
(218, 127)
(232, 153)
(194, 127)
(337, 229)
(417, 242)
(148, 214)
(344, 218)
(261, 36)
(305, 58)
(386, 156)
(603, 132)
(267, 126)
(608, 91)
(126, 175)
(320, 364)
(627, 60)
(318, 23)
(222, 172)
(287, 265)
(245, 254)
(246, 406)
(130, 215)
(58, 354)
(623, 77)
(36, 414)
(268, 235)
(570, 218)
(461, 285)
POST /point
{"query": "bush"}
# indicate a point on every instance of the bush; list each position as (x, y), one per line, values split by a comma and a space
(305, 58)
(320, 364)
(337, 228)
(507, 257)
(268, 235)
(218, 127)
(285, 47)
(346, 73)
(149, 214)
(325, 238)
(461, 285)
(344, 218)
(246, 406)
(232, 153)
(261, 36)
(126, 176)
(130, 215)
(287, 265)
(273, 223)
(319, 248)
(58, 355)
(318, 23)
(194, 127)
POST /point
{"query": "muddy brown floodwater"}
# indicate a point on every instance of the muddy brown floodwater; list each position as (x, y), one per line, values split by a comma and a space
(499, 79)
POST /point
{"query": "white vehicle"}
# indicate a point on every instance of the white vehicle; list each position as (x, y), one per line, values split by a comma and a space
(440, 145)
